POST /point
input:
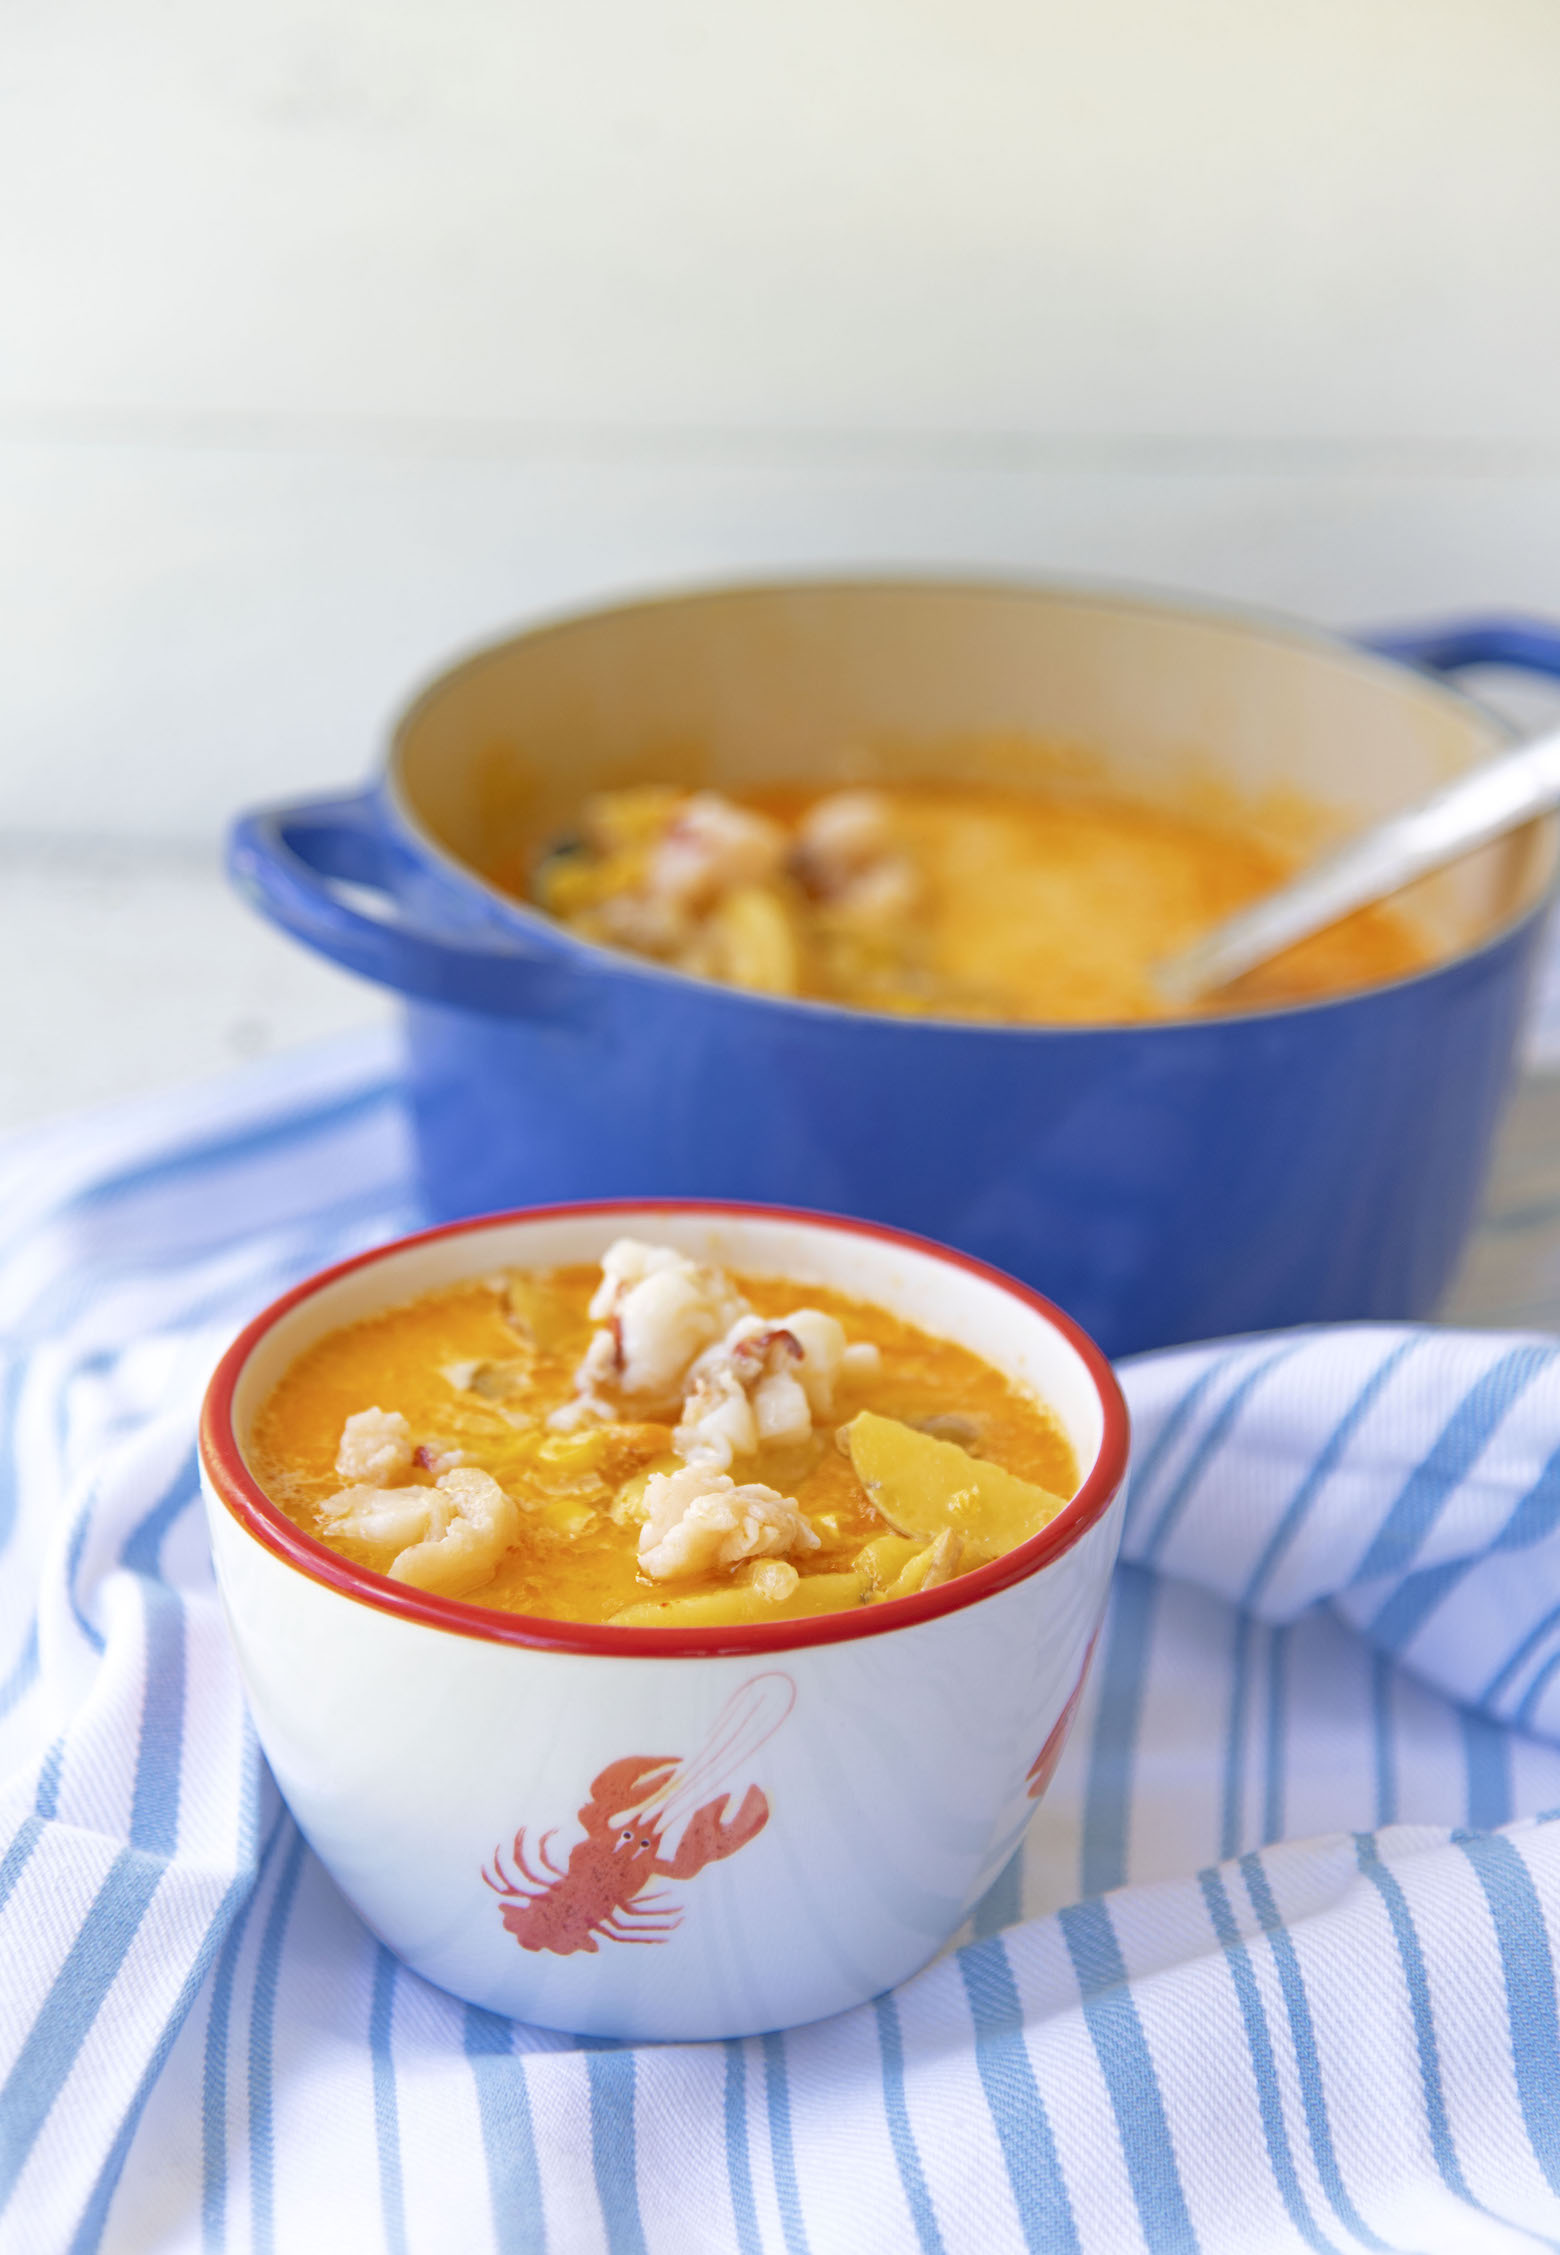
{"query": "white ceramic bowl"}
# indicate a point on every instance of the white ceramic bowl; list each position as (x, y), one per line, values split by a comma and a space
(653, 1833)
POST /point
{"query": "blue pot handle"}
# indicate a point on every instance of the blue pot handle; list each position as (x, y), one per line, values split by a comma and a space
(1448, 647)
(290, 860)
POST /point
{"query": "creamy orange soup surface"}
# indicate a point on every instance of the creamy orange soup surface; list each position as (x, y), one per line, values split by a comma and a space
(656, 1442)
(939, 901)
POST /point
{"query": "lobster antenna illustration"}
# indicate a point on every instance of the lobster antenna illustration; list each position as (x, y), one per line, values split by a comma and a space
(752, 1714)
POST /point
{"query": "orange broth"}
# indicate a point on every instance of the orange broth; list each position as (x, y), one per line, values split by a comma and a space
(1020, 908)
(574, 1560)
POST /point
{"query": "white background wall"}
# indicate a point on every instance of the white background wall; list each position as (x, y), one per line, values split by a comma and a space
(335, 335)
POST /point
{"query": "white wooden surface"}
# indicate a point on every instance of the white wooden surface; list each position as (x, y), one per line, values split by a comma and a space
(334, 335)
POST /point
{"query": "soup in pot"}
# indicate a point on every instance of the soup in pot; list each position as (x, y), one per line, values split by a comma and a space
(657, 1443)
(937, 901)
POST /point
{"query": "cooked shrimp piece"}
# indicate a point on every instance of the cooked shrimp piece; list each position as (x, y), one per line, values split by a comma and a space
(765, 1385)
(657, 1309)
(376, 1447)
(697, 1520)
(848, 857)
(388, 1520)
(711, 847)
(447, 1539)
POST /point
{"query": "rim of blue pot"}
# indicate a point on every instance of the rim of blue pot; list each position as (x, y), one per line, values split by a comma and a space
(591, 956)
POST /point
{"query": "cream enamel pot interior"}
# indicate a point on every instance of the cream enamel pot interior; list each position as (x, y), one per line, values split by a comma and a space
(1163, 1182)
(876, 1768)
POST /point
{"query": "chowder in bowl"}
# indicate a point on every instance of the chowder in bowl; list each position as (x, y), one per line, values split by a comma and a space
(657, 1832)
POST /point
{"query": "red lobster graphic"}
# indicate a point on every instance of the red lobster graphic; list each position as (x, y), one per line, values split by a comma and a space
(635, 1807)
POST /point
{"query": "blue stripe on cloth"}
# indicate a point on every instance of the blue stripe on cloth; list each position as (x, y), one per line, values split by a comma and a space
(1529, 1972)
(1458, 1446)
(613, 2149)
(1400, 1617)
(1519, 1655)
(387, 2111)
(1527, 1705)
(1108, 1788)
(1208, 1448)
(214, 2080)
(94, 2220)
(901, 2135)
(105, 1935)
(18, 1852)
(142, 1549)
(1013, 2100)
(24, 1674)
(1383, 1745)
(154, 1811)
(1232, 1806)
(1298, 1508)
(262, 2036)
(1111, 2015)
(1487, 1761)
(186, 1162)
(739, 2166)
(10, 1460)
(1302, 2035)
(1276, 1738)
(508, 2134)
(78, 1543)
(1174, 1423)
(1533, 1519)
(1416, 1981)
(782, 2150)
(1002, 1903)
(139, 1552)
(46, 1798)
(1259, 2044)
(89, 1970)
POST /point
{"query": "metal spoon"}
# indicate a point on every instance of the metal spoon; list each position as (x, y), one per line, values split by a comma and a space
(1497, 797)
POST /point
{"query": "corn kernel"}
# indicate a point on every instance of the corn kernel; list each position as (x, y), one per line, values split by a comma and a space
(573, 1452)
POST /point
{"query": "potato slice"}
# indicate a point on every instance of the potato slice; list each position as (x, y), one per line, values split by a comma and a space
(742, 1603)
(937, 1562)
(755, 941)
(900, 1565)
(881, 1561)
(924, 1486)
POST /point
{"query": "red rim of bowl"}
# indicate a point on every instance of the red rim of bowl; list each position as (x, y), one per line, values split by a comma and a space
(248, 1503)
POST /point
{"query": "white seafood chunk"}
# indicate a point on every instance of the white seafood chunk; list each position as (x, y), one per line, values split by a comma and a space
(437, 1460)
(711, 847)
(846, 854)
(649, 923)
(447, 1539)
(822, 1341)
(717, 1421)
(376, 1447)
(387, 1519)
(698, 1520)
(658, 1310)
(764, 1384)
(781, 1410)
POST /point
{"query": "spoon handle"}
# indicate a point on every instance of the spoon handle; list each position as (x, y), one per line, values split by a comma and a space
(1497, 797)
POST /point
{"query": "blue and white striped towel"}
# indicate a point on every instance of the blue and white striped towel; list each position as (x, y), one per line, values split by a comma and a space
(1274, 1969)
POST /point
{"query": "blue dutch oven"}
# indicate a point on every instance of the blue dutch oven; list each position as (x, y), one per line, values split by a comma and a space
(1162, 1182)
